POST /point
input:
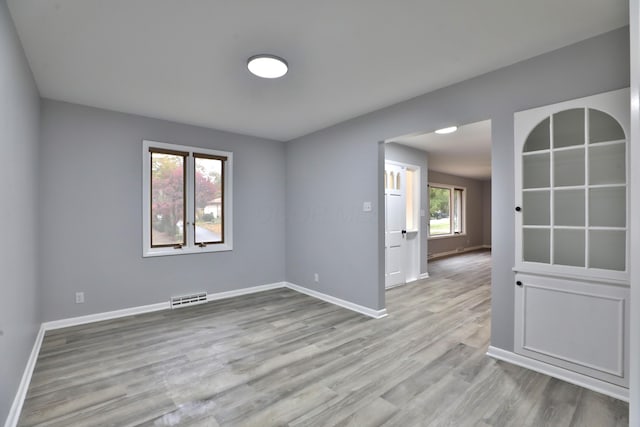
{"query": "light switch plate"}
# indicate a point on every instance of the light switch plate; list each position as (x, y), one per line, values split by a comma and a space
(366, 207)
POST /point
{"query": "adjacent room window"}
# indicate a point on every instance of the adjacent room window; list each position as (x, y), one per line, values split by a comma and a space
(446, 210)
(186, 199)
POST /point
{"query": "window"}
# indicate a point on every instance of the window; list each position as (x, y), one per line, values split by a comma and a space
(446, 210)
(186, 199)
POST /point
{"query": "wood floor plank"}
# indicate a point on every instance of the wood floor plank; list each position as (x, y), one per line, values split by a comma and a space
(281, 358)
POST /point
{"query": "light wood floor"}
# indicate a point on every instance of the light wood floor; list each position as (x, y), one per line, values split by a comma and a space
(282, 358)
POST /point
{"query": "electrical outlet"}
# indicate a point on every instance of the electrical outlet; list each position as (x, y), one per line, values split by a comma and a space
(316, 277)
(79, 297)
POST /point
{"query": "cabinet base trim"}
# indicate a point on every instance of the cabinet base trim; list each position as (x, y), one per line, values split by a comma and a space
(585, 381)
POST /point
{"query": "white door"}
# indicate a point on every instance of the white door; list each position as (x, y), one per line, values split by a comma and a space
(395, 227)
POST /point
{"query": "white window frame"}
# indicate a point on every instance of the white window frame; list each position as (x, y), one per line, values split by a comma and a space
(451, 189)
(190, 247)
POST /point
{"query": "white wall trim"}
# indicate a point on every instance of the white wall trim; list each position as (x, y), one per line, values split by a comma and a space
(397, 285)
(456, 251)
(376, 314)
(572, 377)
(634, 211)
(131, 311)
(420, 277)
(245, 291)
(107, 315)
(21, 394)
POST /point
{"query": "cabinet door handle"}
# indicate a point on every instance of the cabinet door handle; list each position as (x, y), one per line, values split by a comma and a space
(519, 283)
(518, 208)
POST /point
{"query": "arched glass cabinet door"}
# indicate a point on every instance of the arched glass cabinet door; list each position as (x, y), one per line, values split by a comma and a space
(571, 185)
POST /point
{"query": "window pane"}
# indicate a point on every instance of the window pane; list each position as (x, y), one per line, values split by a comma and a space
(535, 245)
(568, 168)
(536, 208)
(457, 210)
(167, 199)
(607, 249)
(568, 247)
(535, 171)
(608, 207)
(411, 222)
(439, 218)
(208, 200)
(603, 127)
(539, 137)
(607, 164)
(568, 207)
(568, 128)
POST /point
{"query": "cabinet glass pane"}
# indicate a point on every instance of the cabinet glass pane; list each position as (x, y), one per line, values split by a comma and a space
(603, 127)
(568, 168)
(535, 245)
(568, 247)
(607, 164)
(568, 207)
(608, 207)
(568, 128)
(536, 208)
(607, 249)
(535, 171)
(539, 138)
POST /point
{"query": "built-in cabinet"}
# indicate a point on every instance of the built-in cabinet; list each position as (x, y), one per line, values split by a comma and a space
(572, 281)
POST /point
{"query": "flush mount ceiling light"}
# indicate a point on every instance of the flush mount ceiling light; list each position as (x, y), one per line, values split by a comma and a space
(445, 131)
(267, 66)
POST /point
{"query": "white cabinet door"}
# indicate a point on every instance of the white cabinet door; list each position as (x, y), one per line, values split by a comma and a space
(572, 235)
(575, 325)
(571, 188)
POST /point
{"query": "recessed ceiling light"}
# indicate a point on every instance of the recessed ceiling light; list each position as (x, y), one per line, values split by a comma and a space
(445, 131)
(267, 66)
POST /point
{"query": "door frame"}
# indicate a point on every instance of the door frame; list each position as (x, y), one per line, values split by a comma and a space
(634, 220)
(412, 257)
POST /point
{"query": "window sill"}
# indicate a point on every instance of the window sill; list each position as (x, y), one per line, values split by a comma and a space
(148, 252)
(447, 236)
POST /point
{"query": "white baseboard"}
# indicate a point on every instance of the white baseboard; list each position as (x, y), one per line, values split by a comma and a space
(376, 314)
(397, 285)
(456, 251)
(245, 291)
(21, 394)
(572, 377)
(107, 315)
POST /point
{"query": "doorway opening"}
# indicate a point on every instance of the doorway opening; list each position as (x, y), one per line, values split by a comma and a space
(449, 178)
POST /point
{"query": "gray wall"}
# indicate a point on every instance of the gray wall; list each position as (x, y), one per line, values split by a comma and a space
(91, 213)
(330, 172)
(19, 128)
(327, 231)
(412, 156)
(486, 213)
(474, 232)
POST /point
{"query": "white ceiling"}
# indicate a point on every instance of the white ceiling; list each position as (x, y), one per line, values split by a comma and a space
(186, 60)
(466, 152)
